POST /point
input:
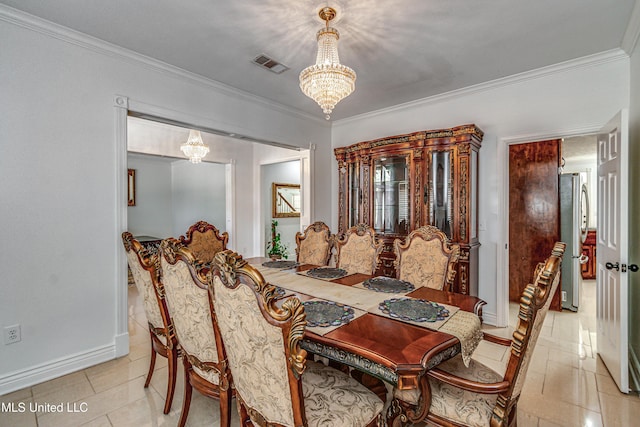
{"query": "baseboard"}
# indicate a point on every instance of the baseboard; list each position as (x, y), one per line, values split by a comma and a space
(122, 345)
(489, 318)
(634, 370)
(54, 369)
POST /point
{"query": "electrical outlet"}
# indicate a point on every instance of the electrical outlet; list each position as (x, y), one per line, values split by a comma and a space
(563, 295)
(12, 334)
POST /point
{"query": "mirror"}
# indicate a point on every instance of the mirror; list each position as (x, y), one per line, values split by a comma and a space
(285, 200)
(131, 187)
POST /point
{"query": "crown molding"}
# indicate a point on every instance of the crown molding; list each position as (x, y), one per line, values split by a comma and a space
(559, 68)
(552, 134)
(50, 29)
(632, 33)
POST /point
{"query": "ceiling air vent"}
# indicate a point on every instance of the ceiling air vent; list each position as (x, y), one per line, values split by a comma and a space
(270, 64)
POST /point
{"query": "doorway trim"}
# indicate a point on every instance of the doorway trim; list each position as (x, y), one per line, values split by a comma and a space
(502, 255)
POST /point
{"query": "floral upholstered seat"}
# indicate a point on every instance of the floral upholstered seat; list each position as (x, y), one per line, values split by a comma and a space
(204, 241)
(314, 245)
(145, 269)
(426, 258)
(274, 382)
(188, 302)
(358, 250)
(478, 395)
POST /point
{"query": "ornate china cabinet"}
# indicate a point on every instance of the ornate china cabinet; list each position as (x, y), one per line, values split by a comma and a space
(399, 183)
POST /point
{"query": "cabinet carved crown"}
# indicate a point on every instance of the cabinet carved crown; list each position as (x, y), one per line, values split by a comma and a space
(400, 183)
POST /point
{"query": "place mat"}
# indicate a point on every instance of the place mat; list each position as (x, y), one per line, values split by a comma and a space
(325, 316)
(388, 285)
(325, 273)
(414, 310)
(434, 325)
(327, 313)
(282, 264)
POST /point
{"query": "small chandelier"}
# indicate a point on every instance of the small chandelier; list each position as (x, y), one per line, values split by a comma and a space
(194, 148)
(327, 82)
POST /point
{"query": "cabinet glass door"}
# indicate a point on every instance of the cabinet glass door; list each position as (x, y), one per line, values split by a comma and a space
(354, 195)
(440, 208)
(391, 194)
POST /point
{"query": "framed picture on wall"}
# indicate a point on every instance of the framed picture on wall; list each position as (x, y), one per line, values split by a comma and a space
(285, 200)
(131, 187)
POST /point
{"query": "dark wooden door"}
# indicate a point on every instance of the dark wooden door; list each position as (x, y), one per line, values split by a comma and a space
(534, 211)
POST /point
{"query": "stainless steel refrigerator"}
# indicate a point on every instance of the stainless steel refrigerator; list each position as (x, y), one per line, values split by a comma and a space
(574, 206)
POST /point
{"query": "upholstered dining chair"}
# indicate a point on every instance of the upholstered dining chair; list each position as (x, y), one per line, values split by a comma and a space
(204, 241)
(314, 245)
(275, 383)
(145, 269)
(188, 302)
(479, 395)
(426, 258)
(358, 250)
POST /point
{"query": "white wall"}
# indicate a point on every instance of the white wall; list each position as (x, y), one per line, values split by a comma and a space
(151, 216)
(198, 194)
(171, 195)
(59, 227)
(556, 101)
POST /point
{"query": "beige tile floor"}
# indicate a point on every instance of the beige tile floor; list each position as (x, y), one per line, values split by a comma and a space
(567, 385)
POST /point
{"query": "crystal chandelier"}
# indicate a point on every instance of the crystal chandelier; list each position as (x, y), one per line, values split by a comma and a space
(327, 82)
(194, 148)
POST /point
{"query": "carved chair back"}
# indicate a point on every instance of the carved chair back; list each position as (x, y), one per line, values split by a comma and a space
(534, 305)
(314, 245)
(261, 342)
(145, 269)
(426, 258)
(478, 395)
(188, 301)
(147, 276)
(358, 250)
(204, 241)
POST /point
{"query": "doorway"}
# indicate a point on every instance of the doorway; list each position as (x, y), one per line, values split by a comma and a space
(238, 153)
(285, 173)
(277, 167)
(535, 215)
(503, 273)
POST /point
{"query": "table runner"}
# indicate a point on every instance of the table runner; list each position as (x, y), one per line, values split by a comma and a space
(468, 329)
(350, 295)
(463, 325)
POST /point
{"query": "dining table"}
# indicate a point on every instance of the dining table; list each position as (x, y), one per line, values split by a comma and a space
(382, 327)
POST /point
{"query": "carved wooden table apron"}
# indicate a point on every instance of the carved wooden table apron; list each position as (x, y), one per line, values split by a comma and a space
(396, 352)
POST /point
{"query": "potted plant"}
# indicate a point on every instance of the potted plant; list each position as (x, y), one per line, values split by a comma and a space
(275, 248)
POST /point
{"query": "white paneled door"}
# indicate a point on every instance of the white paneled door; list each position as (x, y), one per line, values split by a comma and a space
(612, 248)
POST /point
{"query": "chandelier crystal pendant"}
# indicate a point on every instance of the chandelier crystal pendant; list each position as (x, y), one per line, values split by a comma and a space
(327, 82)
(194, 148)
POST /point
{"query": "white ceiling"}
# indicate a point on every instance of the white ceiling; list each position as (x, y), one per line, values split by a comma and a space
(402, 50)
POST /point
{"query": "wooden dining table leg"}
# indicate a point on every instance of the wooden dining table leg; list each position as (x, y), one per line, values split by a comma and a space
(401, 413)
